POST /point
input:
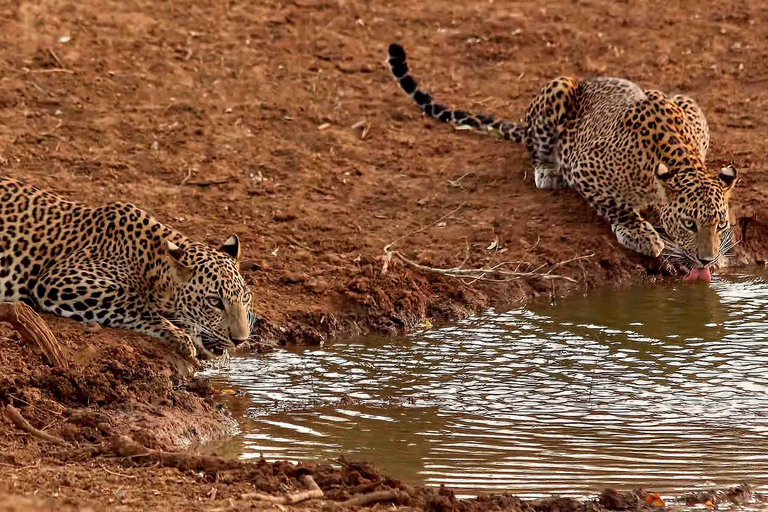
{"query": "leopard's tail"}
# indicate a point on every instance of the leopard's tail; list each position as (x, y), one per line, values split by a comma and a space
(479, 122)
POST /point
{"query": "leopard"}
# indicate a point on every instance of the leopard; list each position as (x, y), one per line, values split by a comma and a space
(635, 155)
(118, 266)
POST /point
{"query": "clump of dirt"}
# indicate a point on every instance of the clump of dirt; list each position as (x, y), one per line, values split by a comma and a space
(125, 384)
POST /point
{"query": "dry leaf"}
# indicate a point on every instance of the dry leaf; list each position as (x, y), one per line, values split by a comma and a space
(654, 499)
(387, 259)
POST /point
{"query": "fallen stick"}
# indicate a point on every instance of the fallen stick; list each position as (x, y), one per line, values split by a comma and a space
(314, 492)
(374, 497)
(208, 183)
(15, 416)
(33, 329)
(479, 274)
(289, 499)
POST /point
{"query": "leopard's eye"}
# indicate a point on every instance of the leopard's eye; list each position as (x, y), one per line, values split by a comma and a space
(723, 225)
(215, 302)
(689, 224)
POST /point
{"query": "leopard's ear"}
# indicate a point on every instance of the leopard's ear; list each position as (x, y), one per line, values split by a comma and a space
(174, 254)
(727, 177)
(232, 248)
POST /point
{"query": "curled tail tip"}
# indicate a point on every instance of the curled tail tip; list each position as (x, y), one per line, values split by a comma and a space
(399, 68)
(396, 52)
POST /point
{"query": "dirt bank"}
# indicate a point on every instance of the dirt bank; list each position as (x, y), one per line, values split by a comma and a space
(236, 117)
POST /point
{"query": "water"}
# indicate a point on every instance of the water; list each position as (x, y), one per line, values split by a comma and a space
(664, 386)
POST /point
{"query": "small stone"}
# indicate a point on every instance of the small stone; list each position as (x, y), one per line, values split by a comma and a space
(283, 216)
(292, 278)
(92, 328)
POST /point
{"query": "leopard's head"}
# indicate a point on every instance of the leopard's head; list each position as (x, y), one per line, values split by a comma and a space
(211, 299)
(695, 214)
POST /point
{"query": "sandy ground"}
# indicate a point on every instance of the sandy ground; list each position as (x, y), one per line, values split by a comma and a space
(236, 117)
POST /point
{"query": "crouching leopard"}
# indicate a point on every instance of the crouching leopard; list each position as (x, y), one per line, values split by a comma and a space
(118, 266)
(635, 155)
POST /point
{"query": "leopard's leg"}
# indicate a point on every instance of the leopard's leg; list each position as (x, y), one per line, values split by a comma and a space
(93, 291)
(631, 229)
(636, 233)
(696, 122)
(544, 121)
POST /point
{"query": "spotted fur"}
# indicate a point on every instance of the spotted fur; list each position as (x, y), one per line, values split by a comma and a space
(119, 267)
(626, 150)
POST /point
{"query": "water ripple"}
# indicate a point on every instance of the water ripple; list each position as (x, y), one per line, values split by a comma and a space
(664, 386)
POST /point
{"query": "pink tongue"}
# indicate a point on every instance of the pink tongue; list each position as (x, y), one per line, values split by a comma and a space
(698, 274)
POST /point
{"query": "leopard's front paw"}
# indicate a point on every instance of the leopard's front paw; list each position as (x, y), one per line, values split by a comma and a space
(180, 339)
(185, 345)
(644, 241)
(654, 246)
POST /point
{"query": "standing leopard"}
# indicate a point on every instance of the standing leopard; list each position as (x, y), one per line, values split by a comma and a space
(118, 266)
(626, 150)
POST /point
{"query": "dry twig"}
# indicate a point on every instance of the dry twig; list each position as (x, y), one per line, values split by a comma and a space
(50, 70)
(118, 474)
(186, 178)
(313, 492)
(208, 183)
(50, 133)
(56, 58)
(374, 497)
(479, 274)
(15, 416)
(289, 499)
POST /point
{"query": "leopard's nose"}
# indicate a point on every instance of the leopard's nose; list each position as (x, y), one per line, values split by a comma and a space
(706, 261)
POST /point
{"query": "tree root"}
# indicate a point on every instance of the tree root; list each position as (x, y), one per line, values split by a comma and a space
(15, 416)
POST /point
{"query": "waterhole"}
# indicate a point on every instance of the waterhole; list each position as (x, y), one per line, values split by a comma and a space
(663, 386)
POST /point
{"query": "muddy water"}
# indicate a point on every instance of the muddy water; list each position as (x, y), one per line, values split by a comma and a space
(664, 386)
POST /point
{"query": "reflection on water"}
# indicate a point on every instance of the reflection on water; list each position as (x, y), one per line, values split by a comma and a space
(662, 386)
